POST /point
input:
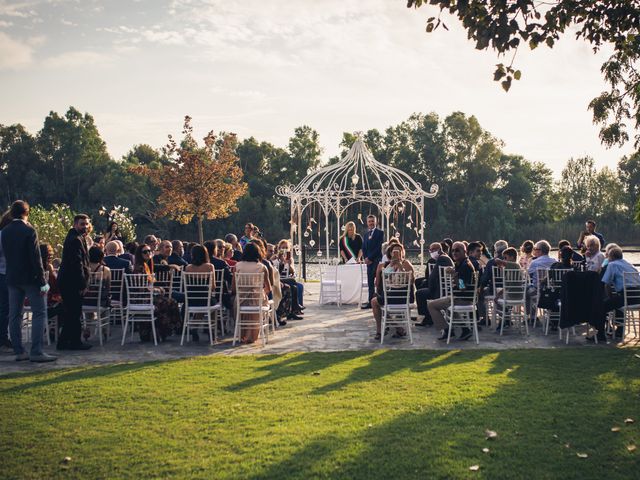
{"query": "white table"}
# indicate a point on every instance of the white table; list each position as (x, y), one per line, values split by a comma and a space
(351, 278)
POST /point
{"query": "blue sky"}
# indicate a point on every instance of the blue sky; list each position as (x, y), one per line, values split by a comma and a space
(264, 67)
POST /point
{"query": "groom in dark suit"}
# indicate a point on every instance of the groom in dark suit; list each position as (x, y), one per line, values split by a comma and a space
(372, 253)
(73, 278)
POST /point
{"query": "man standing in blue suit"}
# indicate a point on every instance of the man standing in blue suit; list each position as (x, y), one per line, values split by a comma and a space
(372, 253)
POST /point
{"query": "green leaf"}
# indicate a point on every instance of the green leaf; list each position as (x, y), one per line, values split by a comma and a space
(506, 84)
(517, 74)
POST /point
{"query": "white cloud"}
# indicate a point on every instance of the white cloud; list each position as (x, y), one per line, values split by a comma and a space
(4, 24)
(68, 23)
(80, 58)
(17, 9)
(14, 54)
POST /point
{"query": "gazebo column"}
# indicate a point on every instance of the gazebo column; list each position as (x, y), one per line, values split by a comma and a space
(338, 231)
(326, 227)
(421, 239)
(299, 220)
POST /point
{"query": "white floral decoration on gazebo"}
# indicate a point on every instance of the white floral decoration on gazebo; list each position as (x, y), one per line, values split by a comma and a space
(357, 178)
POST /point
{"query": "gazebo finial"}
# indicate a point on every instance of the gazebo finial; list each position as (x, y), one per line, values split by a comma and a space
(359, 135)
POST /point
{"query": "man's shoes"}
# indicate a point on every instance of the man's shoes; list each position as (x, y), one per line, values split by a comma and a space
(365, 306)
(282, 323)
(22, 356)
(466, 334)
(445, 335)
(293, 316)
(601, 338)
(42, 358)
(76, 346)
(6, 343)
(424, 324)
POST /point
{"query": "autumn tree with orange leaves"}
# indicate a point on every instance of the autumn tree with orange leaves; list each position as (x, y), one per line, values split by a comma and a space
(201, 182)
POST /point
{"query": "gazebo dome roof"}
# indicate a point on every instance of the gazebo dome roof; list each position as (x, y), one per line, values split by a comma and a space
(358, 177)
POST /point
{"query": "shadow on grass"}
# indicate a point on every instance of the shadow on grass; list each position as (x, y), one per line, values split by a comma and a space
(54, 377)
(550, 407)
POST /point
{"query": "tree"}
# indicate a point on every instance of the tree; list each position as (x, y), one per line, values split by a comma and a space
(198, 182)
(504, 25)
(19, 162)
(304, 156)
(577, 182)
(52, 224)
(629, 174)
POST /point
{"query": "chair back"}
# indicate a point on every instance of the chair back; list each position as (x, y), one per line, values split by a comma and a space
(542, 278)
(497, 275)
(631, 283)
(515, 284)
(396, 287)
(218, 288)
(117, 283)
(198, 288)
(93, 295)
(165, 281)
(139, 289)
(249, 289)
(446, 280)
(364, 279)
(328, 273)
(177, 281)
(468, 294)
(555, 277)
(430, 267)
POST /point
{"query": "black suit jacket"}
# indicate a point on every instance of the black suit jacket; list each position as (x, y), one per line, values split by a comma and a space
(227, 275)
(434, 278)
(74, 268)
(22, 252)
(372, 247)
(117, 263)
(175, 259)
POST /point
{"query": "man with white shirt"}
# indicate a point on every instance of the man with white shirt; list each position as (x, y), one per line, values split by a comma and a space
(613, 280)
(541, 260)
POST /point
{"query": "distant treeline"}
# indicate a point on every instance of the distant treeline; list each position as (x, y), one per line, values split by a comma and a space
(484, 193)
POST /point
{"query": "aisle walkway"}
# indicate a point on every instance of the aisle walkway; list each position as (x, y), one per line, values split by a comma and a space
(325, 329)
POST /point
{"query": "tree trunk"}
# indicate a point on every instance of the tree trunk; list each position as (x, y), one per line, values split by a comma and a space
(200, 233)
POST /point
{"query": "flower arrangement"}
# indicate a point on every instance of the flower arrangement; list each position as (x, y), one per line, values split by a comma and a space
(52, 224)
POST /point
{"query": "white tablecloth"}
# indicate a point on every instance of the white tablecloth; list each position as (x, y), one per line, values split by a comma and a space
(351, 279)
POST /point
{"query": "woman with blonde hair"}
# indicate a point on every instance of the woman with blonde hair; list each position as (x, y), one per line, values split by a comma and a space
(351, 244)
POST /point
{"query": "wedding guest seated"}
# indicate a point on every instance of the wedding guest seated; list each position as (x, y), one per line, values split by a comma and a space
(200, 264)
(152, 242)
(566, 243)
(235, 244)
(486, 280)
(509, 261)
(565, 262)
(463, 273)
(177, 254)
(112, 261)
(99, 241)
(613, 280)
(167, 313)
(278, 290)
(474, 252)
(227, 277)
(54, 299)
(286, 268)
(252, 263)
(593, 257)
(396, 263)
(351, 244)
(113, 233)
(130, 252)
(385, 247)
(526, 254)
(97, 266)
(541, 260)
(228, 255)
(432, 289)
(485, 255)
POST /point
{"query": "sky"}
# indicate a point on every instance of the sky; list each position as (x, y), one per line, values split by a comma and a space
(264, 67)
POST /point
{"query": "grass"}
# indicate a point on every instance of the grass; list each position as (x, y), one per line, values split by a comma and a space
(382, 414)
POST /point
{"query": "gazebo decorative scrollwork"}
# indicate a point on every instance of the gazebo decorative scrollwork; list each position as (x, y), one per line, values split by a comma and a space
(357, 178)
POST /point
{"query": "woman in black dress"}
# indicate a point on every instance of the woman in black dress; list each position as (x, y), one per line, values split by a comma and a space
(351, 244)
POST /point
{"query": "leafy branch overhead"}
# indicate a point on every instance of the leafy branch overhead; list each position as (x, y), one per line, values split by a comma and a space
(505, 25)
(201, 182)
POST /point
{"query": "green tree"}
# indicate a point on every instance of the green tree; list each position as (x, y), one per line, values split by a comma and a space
(304, 156)
(52, 224)
(21, 174)
(629, 174)
(577, 182)
(506, 25)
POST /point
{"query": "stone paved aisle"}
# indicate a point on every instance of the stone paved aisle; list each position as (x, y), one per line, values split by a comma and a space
(324, 329)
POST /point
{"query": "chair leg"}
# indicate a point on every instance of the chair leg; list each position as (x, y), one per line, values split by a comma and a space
(185, 323)
(383, 325)
(124, 329)
(408, 313)
(236, 330)
(212, 333)
(153, 329)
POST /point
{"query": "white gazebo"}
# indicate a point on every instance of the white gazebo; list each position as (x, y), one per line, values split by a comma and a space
(357, 178)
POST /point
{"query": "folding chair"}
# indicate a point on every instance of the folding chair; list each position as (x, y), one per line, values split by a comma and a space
(140, 306)
(513, 303)
(94, 313)
(330, 286)
(463, 308)
(199, 307)
(252, 308)
(396, 311)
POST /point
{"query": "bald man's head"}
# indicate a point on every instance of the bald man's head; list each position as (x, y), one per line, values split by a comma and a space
(111, 248)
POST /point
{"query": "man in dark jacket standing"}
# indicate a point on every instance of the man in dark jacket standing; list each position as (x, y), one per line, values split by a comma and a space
(372, 252)
(73, 279)
(25, 278)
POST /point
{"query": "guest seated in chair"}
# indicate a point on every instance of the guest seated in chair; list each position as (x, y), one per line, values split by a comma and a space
(432, 289)
(397, 263)
(463, 273)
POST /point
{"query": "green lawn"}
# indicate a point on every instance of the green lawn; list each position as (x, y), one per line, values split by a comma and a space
(382, 414)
